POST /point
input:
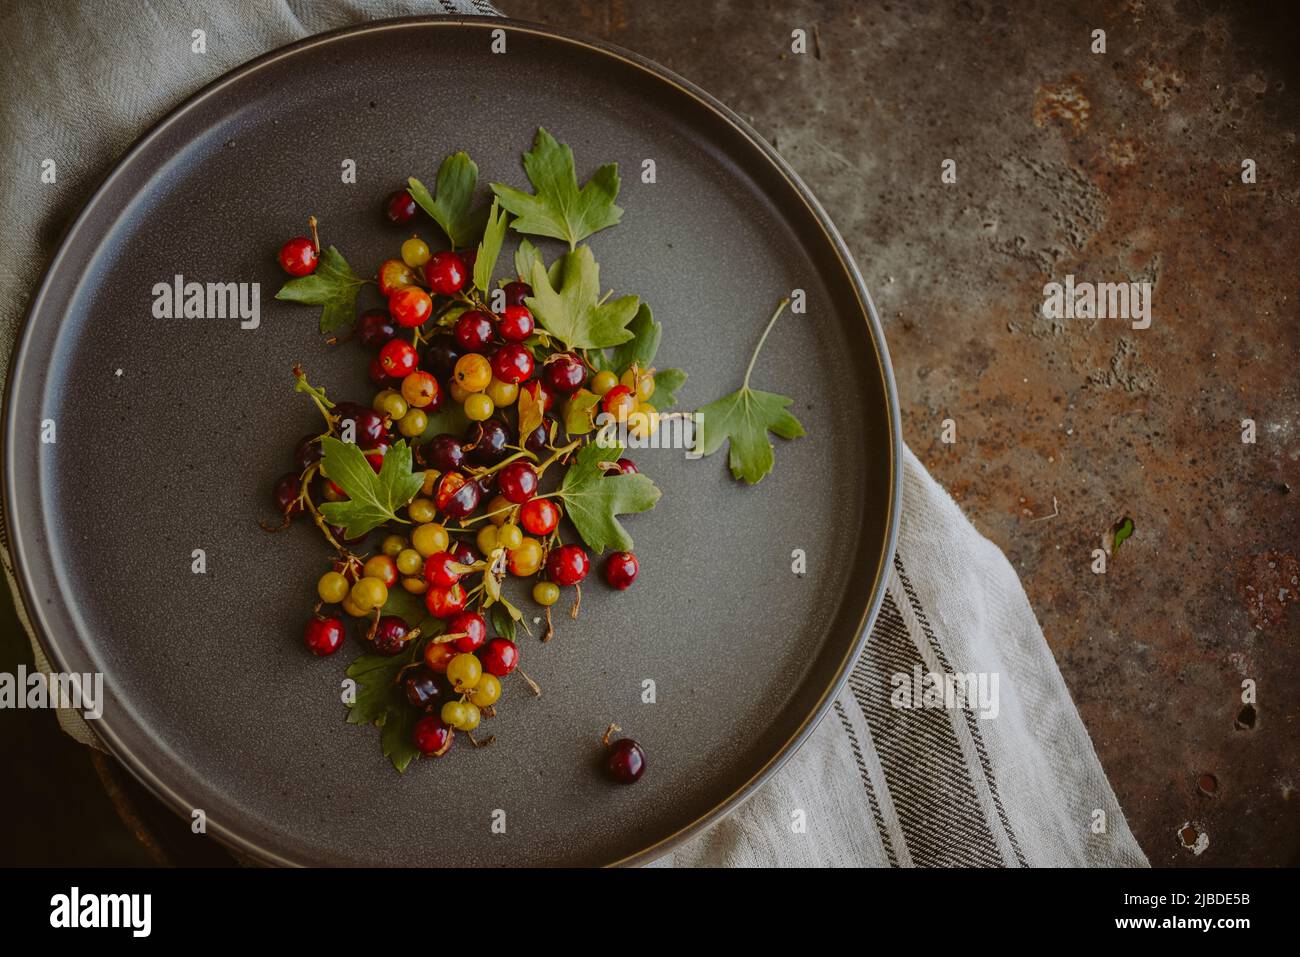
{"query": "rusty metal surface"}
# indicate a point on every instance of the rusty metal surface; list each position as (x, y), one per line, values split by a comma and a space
(1119, 166)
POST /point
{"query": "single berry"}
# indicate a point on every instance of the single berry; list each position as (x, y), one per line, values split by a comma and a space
(535, 441)
(438, 656)
(415, 252)
(512, 363)
(621, 569)
(567, 565)
(285, 494)
(500, 656)
(394, 275)
(438, 570)
(463, 554)
(445, 273)
(421, 391)
(298, 257)
(307, 453)
(518, 482)
(618, 402)
(516, 292)
(369, 428)
(625, 761)
(516, 324)
(323, 636)
(390, 635)
(474, 627)
(399, 208)
(463, 672)
(486, 443)
(410, 306)
(378, 375)
(375, 328)
(441, 355)
(565, 373)
(539, 516)
(445, 602)
(422, 688)
(473, 330)
(432, 737)
(445, 453)
(398, 358)
(457, 496)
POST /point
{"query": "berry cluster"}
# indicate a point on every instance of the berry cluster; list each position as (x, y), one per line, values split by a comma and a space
(442, 357)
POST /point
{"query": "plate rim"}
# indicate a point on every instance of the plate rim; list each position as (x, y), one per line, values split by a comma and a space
(26, 338)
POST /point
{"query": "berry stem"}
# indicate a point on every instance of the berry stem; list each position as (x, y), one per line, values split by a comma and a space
(780, 308)
(315, 236)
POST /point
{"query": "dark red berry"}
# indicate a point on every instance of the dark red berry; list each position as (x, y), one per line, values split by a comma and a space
(374, 328)
(398, 358)
(399, 208)
(390, 635)
(474, 330)
(445, 453)
(323, 636)
(422, 688)
(457, 496)
(474, 627)
(500, 656)
(518, 482)
(567, 565)
(486, 442)
(536, 440)
(512, 363)
(431, 737)
(298, 256)
(463, 554)
(441, 355)
(625, 761)
(621, 569)
(565, 373)
(516, 292)
(516, 324)
(307, 453)
(539, 516)
(445, 273)
(285, 494)
(623, 466)
(369, 428)
(379, 377)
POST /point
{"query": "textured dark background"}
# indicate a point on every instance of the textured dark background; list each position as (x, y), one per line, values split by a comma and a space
(1117, 166)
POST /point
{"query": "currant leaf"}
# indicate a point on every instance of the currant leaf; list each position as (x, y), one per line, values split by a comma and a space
(453, 208)
(333, 287)
(594, 500)
(373, 499)
(572, 310)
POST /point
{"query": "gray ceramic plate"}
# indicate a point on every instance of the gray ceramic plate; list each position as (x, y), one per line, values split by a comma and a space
(170, 432)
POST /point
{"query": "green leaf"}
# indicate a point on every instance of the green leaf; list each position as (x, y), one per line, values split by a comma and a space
(744, 418)
(525, 256)
(373, 499)
(502, 622)
(643, 345)
(1120, 532)
(573, 312)
(381, 701)
(494, 233)
(453, 209)
(560, 209)
(667, 382)
(397, 736)
(333, 286)
(594, 499)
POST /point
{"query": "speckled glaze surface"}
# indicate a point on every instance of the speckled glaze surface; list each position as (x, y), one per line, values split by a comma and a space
(170, 432)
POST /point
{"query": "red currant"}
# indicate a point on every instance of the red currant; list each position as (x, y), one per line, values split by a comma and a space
(565, 373)
(323, 636)
(375, 328)
(390, 635)
(618, 402)
(445, 273)
(445, 602)
(445, 453)
(398, 358)
(422, 688)
(299, 256)
(438, 571)
(432, 737)
(369, 428)
(500, 656)
(457, 496)
(518, 482)
(399, 208)
(512, 363)
(474, 627)
(516, 292)
(486, 442)
(567, 565)
(377, 374)
(625, 761)
(441, 355)
(621, 569)
(410, 306)
(516, 324)
(473, 330)
(539, 516)
(285, 494)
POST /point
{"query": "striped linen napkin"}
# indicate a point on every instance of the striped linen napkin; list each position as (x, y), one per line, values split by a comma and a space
(999, 772)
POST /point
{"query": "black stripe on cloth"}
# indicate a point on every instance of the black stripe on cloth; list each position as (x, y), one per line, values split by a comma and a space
(972, 722)
(941, 819)
(866, 784)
